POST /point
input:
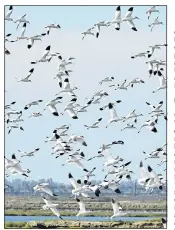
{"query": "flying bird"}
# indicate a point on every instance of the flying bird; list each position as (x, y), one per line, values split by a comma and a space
(129, 19)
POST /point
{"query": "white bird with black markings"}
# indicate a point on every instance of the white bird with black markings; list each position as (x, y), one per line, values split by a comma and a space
(112, 184)
(18, 170)
(16, 120)
(102, 152)
(28, 154)
(52, 207)
(64, 62)
(154, 182)
(44, 57)
(54, 137)
(27, 78)
(31, 40)
(14, 166)
(117, 19)
(6, 37)
(60, 81)
(22, 36)
(110, 160)
(79, 139)
(107, 79)
(94, 125)
(11, 163)
(82, 208)
(20, 20)
(129, 19)
(122, 86)
(67, 88)
(129, 126)
(51, 105)
(83, 108)
(35, 115)
(144, 54)
(151, 10)
(64, 133)
(43, 187)
(12, 112)
(135, 81)
(116, 209)
(76, 159)
(88, 32)
(32, 103)
(155, 23)
(150, 124)
(156, 152)
(62, 73)
(78, 188)
(8, 106)
(52, 26)
(144, 178)
(155, 47)
(151, 66)
(113, 115)
(162, 84)
(89, 173)
(164, 222)
(155, 109)
(157, 69)
(100, 93)
(98, 25)
(106, 106)
(8, 14)
(10, 127)
(70, 109)
(63, 127)
(132, 115)
(6, 51)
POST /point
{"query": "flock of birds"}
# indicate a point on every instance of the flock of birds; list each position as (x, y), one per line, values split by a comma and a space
(64, 144)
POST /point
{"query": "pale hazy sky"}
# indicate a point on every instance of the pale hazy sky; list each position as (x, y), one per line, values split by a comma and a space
(109, 55)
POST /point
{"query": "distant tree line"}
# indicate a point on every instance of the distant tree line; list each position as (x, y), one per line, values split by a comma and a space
(25, 187)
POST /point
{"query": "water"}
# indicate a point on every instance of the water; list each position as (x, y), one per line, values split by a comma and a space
(82, 218)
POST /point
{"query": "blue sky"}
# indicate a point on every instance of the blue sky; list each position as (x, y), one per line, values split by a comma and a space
(109, 55)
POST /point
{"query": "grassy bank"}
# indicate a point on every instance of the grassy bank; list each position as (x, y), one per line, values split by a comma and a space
(156, 223)
(65, 204)
(12, 212)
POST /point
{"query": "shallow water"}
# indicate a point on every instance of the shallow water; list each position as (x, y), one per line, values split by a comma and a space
(82, 218)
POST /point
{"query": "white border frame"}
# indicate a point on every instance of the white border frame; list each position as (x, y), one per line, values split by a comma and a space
(170, 94)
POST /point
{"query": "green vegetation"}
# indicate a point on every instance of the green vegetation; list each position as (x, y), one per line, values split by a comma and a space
(12, 212)
(16, 225)
(127, 203)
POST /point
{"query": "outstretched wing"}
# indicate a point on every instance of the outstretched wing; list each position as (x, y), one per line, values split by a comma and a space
(131, 25)
(81, 206)
(118, 13)
(23, 30)
(47, 190)
(48, 202)
(9, 12)
(115, 207)
(143, 172)
(55, 211)
(129, 12)
(73, 182)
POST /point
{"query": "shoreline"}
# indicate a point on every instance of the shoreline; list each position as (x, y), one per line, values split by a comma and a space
(155, 223)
